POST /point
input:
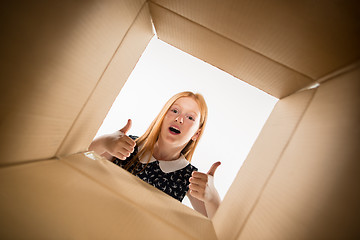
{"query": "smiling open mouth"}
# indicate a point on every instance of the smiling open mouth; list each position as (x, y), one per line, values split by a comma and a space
(174, 130)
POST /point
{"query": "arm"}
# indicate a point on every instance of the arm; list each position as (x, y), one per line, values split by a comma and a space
(197, 204)
(203, 194)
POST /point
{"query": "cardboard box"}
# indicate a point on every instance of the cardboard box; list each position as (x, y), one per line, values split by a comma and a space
(64, 63)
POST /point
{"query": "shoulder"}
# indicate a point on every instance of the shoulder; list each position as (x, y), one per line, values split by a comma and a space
(191, 168)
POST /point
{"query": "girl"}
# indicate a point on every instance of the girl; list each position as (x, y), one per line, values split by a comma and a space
(163, 154)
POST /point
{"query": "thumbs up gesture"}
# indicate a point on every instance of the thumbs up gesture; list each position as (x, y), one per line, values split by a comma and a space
(202, 185)
(127, 127)
(118, 144)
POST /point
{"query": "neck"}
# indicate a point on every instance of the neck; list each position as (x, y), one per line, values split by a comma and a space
(166, 152)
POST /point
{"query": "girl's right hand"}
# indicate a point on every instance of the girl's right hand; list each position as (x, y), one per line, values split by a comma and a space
(118, 144)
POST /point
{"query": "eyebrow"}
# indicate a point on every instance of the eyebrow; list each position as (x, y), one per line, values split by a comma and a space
(181, 108)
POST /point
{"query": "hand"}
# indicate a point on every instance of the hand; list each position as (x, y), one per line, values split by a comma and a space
(118, 144)
(202, 185)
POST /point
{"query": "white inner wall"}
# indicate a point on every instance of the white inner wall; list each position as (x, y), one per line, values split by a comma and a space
(237, 111)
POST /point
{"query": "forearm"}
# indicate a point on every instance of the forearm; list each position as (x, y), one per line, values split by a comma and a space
(197, 204)
(212, 198)
(212, 205)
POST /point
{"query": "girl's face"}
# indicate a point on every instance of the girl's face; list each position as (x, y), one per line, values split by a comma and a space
(181, 122)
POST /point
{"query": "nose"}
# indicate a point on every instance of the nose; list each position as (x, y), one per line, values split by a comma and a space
(179, 119)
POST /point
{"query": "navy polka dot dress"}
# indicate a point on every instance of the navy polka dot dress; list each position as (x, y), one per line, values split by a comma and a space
(175, 184)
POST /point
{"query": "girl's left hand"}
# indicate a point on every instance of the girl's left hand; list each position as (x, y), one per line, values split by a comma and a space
(202, 185)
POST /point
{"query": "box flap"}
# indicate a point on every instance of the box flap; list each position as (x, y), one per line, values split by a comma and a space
(311, 37)
(53, 56)
(226, 54)
(263, 158)
(81, 198)
(313, 192)
(109, 85)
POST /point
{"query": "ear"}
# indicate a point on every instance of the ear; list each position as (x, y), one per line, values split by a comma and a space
(196, 135)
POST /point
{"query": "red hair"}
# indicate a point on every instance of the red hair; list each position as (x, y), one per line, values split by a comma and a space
(150, 137)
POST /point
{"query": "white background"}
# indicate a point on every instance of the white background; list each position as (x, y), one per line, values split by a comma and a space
(237, 111)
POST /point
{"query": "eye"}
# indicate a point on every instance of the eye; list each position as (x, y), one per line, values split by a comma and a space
(191, 118)
(174, 110)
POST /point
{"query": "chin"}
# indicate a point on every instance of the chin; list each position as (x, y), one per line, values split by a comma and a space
(174, 140)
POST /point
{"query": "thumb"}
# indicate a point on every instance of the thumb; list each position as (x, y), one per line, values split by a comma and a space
(213, 168)
(127, 127)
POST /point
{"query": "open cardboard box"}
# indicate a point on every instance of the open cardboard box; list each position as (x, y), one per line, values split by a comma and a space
(64, 63)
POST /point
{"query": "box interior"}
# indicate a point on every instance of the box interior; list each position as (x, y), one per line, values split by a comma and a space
(64, 64)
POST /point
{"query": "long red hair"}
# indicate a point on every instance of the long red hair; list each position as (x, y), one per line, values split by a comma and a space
(150, 137)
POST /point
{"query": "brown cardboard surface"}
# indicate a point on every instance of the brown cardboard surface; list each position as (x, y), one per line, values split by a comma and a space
(311, 37)
(81, 198)
(114, 77)
(313, 193)
(238, 60)
(59, 67)
(52, 58)
(145, 196)
(263, 158)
